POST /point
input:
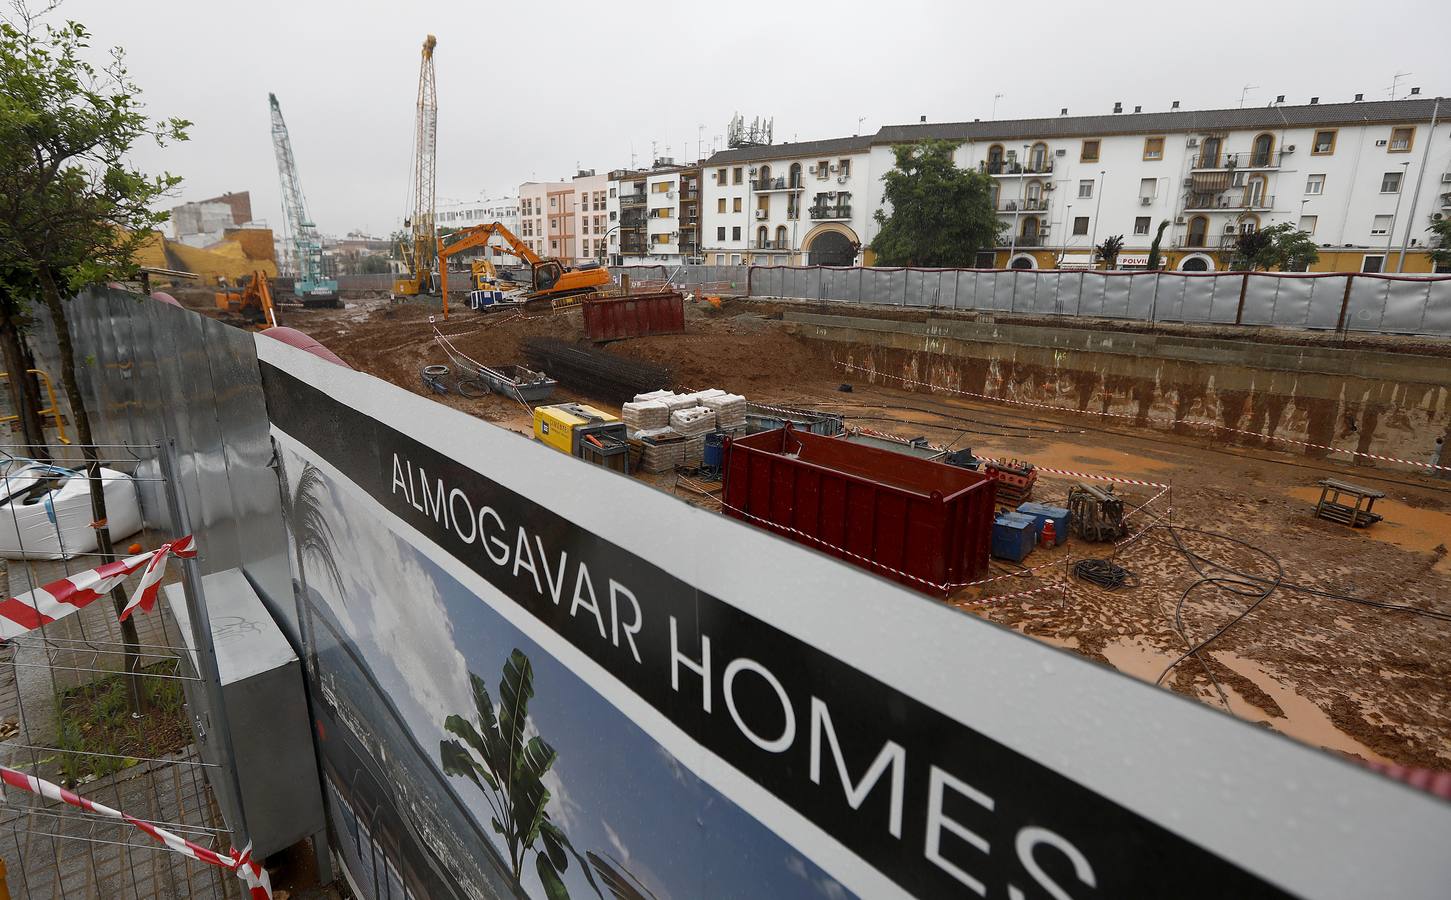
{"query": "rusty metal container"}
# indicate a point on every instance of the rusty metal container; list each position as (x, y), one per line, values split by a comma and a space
(925, 524)
(614, 318)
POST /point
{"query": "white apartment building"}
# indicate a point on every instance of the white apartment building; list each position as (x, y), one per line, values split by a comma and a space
(1364, 178)
(485, 209)
(782, 204)
(658, 215)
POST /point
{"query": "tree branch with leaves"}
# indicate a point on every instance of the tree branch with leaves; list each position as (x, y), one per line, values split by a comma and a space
(941, 215)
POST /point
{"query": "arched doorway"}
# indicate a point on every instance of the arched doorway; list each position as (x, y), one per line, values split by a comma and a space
(1264, 148)
(1023, 261)
(1038, 158)
(1209, 152)
(1028, 237)
(1033, 195)
(761, 238)
(1195, 263)
(831, 248)
(780, 237)
(995, 159)
(795, 175)
(765, 175)
(1198, 232)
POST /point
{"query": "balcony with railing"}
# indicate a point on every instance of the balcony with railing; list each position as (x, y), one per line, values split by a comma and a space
(1247, 160)
(1022, 205)
(635, 198)
(1037, 239)
(1207, 241)
(770, 245)
(1234, 201)
(838, 211)
(690, 193)
(1013, 167)
(763, 185)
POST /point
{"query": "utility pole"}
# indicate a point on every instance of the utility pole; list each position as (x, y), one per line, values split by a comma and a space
(1420, 177)
(1093, 237)
(1391, 231)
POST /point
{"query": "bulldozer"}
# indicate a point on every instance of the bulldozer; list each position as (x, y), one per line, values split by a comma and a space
(252, 300)
(550, 279)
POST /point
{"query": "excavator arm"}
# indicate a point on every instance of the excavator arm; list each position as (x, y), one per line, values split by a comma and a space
(552, 279)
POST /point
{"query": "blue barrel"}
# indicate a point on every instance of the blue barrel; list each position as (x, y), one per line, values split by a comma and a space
(714, 449)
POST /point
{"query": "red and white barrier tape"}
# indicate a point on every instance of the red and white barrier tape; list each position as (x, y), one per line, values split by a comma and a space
(44, 605)
(1197, 423)
(1113, 478)
(259, 886)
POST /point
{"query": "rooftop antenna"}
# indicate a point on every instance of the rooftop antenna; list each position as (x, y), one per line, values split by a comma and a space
(996, 98)
(1396, 82)
(699, 141)
(1245, 93)
(859, 121)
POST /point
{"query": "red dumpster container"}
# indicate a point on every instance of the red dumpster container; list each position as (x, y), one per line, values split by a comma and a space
(613, 318)
(925, 524)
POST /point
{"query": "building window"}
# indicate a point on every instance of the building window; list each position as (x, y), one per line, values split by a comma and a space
(1372, 263)
(761, 238)
(1324, 143)
(1148, 188)
(1381, 225)
(661, 187)
(736, 233)
(1390, 183)
(1315, 184)
(780, 237)
(736, 175)
(1307, 224)
(554, 245)
(1085, 189)
(844, 167)
(1154, 148)
(1263, 150)
(720, 176)
(612, 193)
(720, 205)
(554, 203)
(1141, 225)
(763, 203)
(1080, 224)
(737, 205)
(720, 233)
(1401, 140)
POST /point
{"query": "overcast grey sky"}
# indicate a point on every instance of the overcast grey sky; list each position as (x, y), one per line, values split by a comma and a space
(528, 89)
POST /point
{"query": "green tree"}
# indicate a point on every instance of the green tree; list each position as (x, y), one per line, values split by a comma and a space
(18, 290)
(941, 215)
(509, 772)
(1441, 248)
(1154, 261)
(73, 211)
(1108, 251)
(1281, 246)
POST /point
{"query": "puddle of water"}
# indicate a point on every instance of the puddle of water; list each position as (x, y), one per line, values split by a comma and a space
(1133, 657)
(1303, 720)
(1405, 526)
(1094, 459)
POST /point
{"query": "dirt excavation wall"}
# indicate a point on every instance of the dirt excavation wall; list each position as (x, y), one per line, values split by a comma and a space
(1376, 401)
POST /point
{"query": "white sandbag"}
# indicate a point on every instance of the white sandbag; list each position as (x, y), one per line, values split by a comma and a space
(45, 512)
(694, 421)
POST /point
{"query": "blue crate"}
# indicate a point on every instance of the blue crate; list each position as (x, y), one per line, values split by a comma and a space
(1042, 512)
(1014, 535)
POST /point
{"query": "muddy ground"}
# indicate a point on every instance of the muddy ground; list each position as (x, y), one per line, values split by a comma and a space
(1370, 682)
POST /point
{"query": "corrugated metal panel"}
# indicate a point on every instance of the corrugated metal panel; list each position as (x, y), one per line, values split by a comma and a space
(612, 319)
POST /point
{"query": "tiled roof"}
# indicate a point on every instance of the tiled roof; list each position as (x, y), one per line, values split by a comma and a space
(1177, 121)
(801, 149)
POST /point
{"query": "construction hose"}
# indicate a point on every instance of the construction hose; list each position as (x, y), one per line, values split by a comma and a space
(433, 377)
(1104, 573)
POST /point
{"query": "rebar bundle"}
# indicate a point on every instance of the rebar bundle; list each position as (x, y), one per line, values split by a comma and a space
(596, 373)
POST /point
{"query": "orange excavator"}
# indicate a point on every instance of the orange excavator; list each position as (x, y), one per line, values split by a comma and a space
(552, 280)
(252, 299)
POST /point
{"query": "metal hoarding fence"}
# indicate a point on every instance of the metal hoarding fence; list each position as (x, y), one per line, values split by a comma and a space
(1391, 304)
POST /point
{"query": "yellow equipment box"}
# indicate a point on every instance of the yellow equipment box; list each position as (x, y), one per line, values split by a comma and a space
(583, 431)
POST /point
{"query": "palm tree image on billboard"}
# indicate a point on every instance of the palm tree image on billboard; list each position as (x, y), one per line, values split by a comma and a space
(533, 786)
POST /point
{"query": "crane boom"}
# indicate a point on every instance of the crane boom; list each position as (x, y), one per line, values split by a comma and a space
(419, 250)
(299, 234)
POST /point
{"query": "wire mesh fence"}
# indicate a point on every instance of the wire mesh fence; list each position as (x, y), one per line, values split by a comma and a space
(84, 703)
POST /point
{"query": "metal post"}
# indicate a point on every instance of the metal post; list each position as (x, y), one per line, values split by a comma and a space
(216, 724)
(1420, 177)
(1097, 207)
(1391, 231)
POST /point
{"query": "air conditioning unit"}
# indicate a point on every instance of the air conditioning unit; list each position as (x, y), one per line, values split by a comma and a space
(1192, 142)
(1189, 182)
(1178, 220)
(761, 214)
(1380, 143)
(669, 195)
(751, 171)
(841, 179)
(1229, 229)
(811, 171)
(1060, 152)
(1048, 186)
(1145, 201)
(833, 168)
(1289, 148)
(1446, 177)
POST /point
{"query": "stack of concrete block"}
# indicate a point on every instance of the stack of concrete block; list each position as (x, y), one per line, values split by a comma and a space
(693, 422)
(645, 415)
(662, 456)
(729, 409)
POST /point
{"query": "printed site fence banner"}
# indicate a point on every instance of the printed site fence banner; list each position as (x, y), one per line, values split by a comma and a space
(1391, 304)
(535, 677)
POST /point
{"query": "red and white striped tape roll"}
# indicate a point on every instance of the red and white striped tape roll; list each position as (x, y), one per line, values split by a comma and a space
(26, 612)
(259, 885)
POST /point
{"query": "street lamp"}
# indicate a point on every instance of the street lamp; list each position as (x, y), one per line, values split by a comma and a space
(1093, 236)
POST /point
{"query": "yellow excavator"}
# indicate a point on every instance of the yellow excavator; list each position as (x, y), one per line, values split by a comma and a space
(551, 279)
(252, 300)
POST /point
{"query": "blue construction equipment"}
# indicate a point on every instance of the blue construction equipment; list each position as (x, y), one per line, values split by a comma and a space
(1014, 535)
(1042, 512)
